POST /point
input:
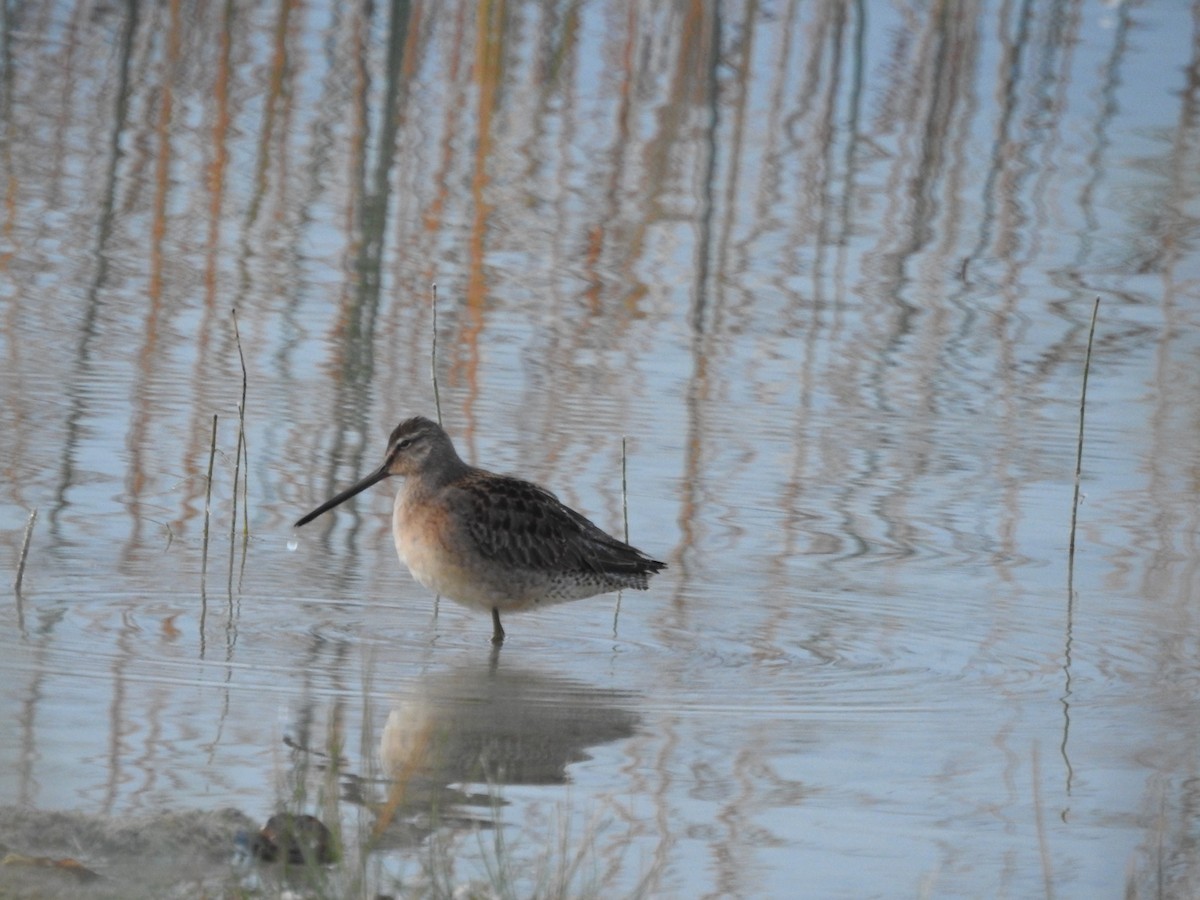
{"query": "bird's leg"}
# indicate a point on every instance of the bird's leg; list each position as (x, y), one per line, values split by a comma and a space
(497, 630)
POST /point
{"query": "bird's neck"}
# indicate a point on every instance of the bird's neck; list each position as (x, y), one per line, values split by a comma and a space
(437, 474)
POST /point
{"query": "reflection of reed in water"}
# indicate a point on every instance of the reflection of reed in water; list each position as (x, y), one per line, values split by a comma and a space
(493, 726)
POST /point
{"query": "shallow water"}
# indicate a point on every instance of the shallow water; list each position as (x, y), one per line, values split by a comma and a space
(827, 270)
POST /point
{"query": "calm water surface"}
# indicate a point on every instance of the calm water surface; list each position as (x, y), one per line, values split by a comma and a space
(826, 269)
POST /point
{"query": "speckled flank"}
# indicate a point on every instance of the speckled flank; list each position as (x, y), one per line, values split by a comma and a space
(490, 541)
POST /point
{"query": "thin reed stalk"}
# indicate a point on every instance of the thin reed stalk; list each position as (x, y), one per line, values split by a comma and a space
(437, 397)
(1087, 365)
(24, 552)
(240, 474)
(212, 455)
(1070, 626)
(243, 452)
(625, 515)
(624, 489)
(1040, 824)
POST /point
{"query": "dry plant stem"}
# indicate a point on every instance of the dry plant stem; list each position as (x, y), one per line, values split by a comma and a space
(625, 515)
(1087, 364)
(624, 489)
(237, 468)
(243, 453)
(25, 551)
(212, 455)
(437, 399)
(1040, 823)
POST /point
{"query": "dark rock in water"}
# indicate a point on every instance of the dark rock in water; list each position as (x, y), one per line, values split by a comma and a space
(294, 839)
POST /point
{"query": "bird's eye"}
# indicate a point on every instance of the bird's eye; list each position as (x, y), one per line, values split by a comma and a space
(404, 444)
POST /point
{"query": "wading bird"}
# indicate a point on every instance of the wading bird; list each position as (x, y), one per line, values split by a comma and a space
(491, 541)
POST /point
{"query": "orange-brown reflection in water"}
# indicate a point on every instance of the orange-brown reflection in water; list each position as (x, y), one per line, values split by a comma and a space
(828, 266)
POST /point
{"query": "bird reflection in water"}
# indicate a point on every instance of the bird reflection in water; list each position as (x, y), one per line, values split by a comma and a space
(494, 726)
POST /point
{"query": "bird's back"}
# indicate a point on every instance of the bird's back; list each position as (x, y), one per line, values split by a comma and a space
(510, 544)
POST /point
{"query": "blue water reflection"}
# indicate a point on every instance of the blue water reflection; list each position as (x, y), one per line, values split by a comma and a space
(828, 268)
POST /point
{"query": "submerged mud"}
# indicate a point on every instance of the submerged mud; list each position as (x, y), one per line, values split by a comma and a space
(50, 854)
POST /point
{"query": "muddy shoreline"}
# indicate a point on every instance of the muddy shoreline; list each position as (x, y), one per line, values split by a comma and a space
(52, 854)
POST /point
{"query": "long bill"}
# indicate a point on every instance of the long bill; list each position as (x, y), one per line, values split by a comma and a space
(374, 478)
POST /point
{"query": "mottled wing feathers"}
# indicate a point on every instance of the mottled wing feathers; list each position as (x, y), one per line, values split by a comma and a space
(523, 526)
